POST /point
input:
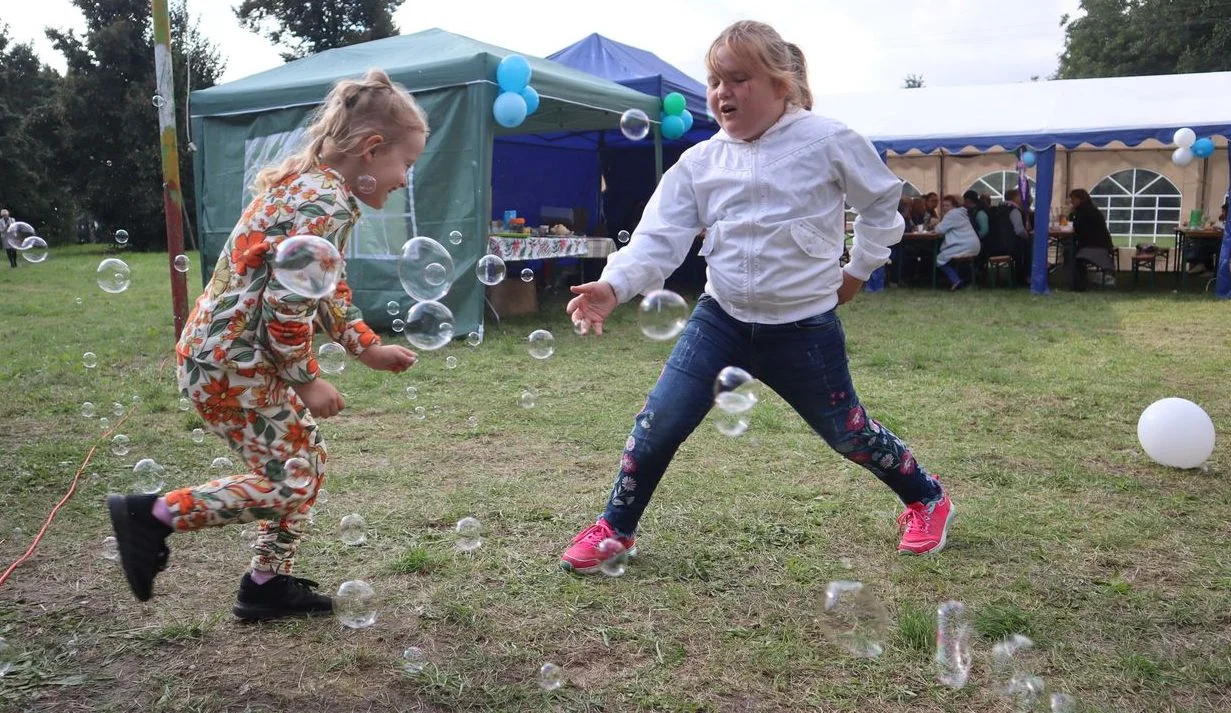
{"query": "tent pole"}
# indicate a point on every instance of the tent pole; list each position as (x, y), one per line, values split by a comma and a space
(1203, 184)
(941, 177)
(658, 154)
(172, 198)
(1045, 170)
(1068, 171)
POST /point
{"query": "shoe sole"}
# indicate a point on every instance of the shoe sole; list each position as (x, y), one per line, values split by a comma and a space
(568, 566)
(251, 613)
(944, 536)
(117, 506)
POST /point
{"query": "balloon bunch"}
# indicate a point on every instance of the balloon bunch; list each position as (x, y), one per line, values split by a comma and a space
(1190, 147)
(676, 119)
(517, 99)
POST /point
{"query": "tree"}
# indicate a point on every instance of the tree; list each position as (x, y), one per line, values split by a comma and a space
(311, 26)
(112, 153)
(32, 129)
(912, 81)
(1118, 38)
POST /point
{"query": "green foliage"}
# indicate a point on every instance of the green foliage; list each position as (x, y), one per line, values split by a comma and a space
(1119, 38)
(309, 27)
(110, 158)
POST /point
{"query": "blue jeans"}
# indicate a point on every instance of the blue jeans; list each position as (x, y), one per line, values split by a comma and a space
(804, 362)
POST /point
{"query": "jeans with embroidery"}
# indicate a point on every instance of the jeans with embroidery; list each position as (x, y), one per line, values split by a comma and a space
(804, 362)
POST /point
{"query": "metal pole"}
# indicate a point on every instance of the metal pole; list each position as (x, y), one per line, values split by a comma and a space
(172, 197)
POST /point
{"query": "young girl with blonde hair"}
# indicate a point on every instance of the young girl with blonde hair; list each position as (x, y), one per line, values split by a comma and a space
(768, 190)
(245, 357)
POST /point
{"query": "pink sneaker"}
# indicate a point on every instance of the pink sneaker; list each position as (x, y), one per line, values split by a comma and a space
(583, 556)
(925, 527)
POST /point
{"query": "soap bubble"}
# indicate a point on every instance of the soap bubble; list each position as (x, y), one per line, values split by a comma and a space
(184, 404)
(8, 656)
(89, 360)
(412, 393)
(474, 339)
(731, 425)
(526, 400)
(455, 237)
(148, 476)
(365, 184)
(635, 124)
(111, 550)
(353, 529)
(419, 413)
(1063, 703)
(113, 275)
(855, 619)
(527, 275)
(121, 237)
(181, 263)
(735, 391)
(469, 534)
(298, 474)
(393, 307)
(542, 344)
(331, 358)
(414, 660)
(157, 101)
(953, 653)
(33, 249)
(249, 533)
(425, 269)
(450, 362)
(623, 236)
(551, 677)
(308, 266)
(197, 435)
(398, 326)
(355, 604)
(78, 301)
(662, 315)
(104, 423)
(1010, 676)
(490, 270)
(222, 463)
(429, 325)
(472, 422)
(120, 445)
(17, 234)
(87, 409)
(117, 409)
(613, 556)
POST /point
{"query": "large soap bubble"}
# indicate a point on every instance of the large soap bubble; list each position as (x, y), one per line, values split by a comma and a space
(425, 269)
(308, 266)
(429, 325)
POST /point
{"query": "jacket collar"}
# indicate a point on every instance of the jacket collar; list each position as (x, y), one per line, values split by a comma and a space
(790, 116)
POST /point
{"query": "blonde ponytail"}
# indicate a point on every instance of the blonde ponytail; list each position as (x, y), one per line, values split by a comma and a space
(353, 110)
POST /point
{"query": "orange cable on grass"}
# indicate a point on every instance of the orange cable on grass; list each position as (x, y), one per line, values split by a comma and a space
(72, 488)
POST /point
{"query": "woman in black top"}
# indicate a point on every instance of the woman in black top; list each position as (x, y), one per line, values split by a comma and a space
(1092, 240)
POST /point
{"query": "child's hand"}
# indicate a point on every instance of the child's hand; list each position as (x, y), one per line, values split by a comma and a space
(321, 398)
(388, 357)
(593, 303)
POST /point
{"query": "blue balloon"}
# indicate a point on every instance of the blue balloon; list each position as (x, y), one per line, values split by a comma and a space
(1029, 159)
(687, 117)
(673, 126)
(1203, 148)
(531, 95)
(513, 73)
(509, 109)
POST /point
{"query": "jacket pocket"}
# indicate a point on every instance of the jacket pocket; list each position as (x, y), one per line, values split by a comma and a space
(708, 242)
(809, 240)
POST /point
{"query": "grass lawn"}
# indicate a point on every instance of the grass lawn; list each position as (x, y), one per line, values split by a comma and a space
(1119, 569)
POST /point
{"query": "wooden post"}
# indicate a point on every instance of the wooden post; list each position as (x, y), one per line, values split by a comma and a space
(172, 197)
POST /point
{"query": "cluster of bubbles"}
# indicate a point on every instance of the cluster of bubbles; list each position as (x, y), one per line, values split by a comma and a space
(21, 237)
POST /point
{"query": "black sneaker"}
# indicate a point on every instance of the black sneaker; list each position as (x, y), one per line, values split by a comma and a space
(281, 596)
(141, 540)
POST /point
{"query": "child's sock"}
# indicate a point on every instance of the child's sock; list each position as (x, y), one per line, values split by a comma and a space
(161, 512)
(261, 577)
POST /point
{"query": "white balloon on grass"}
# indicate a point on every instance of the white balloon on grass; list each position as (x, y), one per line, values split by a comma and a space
(1176, 432)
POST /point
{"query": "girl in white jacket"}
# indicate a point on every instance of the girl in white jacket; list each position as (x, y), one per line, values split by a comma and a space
(768, 190)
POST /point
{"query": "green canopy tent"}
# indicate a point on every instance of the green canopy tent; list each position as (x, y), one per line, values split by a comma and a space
(240, 126)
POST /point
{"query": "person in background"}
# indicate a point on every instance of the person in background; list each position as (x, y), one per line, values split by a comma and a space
(1023, 253)
(932, 201)
(977, 213)
(1202, 255)
(1091, 242)
(6, 222)
(960, 239)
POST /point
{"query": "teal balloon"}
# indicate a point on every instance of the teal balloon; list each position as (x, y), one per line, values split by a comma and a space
(513, 73)
(1029, 159)
(509, 109)
(673, 104)
(1203, 148)
(673, 127)
(687, 117)
(531, 95)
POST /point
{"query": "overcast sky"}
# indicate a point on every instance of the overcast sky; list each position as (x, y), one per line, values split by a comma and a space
(851, 45)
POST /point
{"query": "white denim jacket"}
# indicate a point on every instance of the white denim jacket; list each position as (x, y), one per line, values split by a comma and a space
(774, 219)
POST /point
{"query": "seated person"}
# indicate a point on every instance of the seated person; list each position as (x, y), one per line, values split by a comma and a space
(1202, 255)
(1091, 242)
(960, 239)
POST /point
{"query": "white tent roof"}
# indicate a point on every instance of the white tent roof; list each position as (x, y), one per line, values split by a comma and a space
(1066, 112)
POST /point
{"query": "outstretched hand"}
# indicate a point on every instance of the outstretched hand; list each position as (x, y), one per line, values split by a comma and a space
(594, 302)
(388, 357)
